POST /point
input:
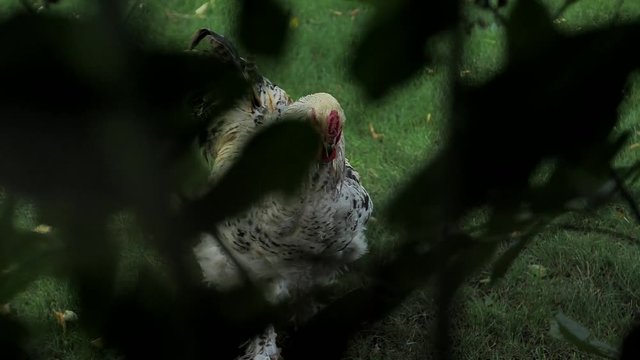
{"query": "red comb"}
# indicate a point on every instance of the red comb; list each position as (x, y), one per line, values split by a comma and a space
(334, 128)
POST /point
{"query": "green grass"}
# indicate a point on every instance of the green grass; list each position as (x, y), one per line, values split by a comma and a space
(593, 277)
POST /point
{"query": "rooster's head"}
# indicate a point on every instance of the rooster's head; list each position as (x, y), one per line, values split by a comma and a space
(327, 117)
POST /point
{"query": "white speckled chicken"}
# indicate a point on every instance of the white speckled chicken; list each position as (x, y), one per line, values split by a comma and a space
(298, 242)
(290, 244)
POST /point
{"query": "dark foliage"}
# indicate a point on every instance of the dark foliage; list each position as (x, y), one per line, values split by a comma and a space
(90, 125)
(267, 18)
(393, 48)
(13, 338)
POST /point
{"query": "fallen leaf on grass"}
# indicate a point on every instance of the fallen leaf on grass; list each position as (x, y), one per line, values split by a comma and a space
(202, 10)
(429, 118)
(63, 317)
(98, 342)
(9, 269)
(374, 134)
(354, 12)
(336, 12)
(294, 22)
(42, 229)
(538, 270)
(488, 301)
(621, 214)
(633, 146)
(173, 15)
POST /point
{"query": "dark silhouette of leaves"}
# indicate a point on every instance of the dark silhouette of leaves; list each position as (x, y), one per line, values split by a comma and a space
(263, 26)
(503, 129)
(530, 31)
(276, 159)
(630, 349)
(393, 48)
(61, 115)
(13, 339)
(24, 255)
(553, 87)
(90, 124)
(179, 323)
(32, 255)
(390, 283)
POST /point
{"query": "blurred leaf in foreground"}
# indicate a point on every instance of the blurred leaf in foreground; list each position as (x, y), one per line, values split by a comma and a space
(276, 159)
(263, 26)
(564, 328)
(393, 46)
(13, 339)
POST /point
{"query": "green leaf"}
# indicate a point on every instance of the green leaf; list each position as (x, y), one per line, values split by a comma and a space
(430, 199)
(565, 328)
(538, 270)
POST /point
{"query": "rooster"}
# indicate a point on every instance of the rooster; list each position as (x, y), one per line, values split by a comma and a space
(291, 244)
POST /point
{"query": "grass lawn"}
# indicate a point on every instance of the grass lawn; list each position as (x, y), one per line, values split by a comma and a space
(590, 261)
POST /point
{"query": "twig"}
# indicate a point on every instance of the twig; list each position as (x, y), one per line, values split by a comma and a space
(375, 135)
